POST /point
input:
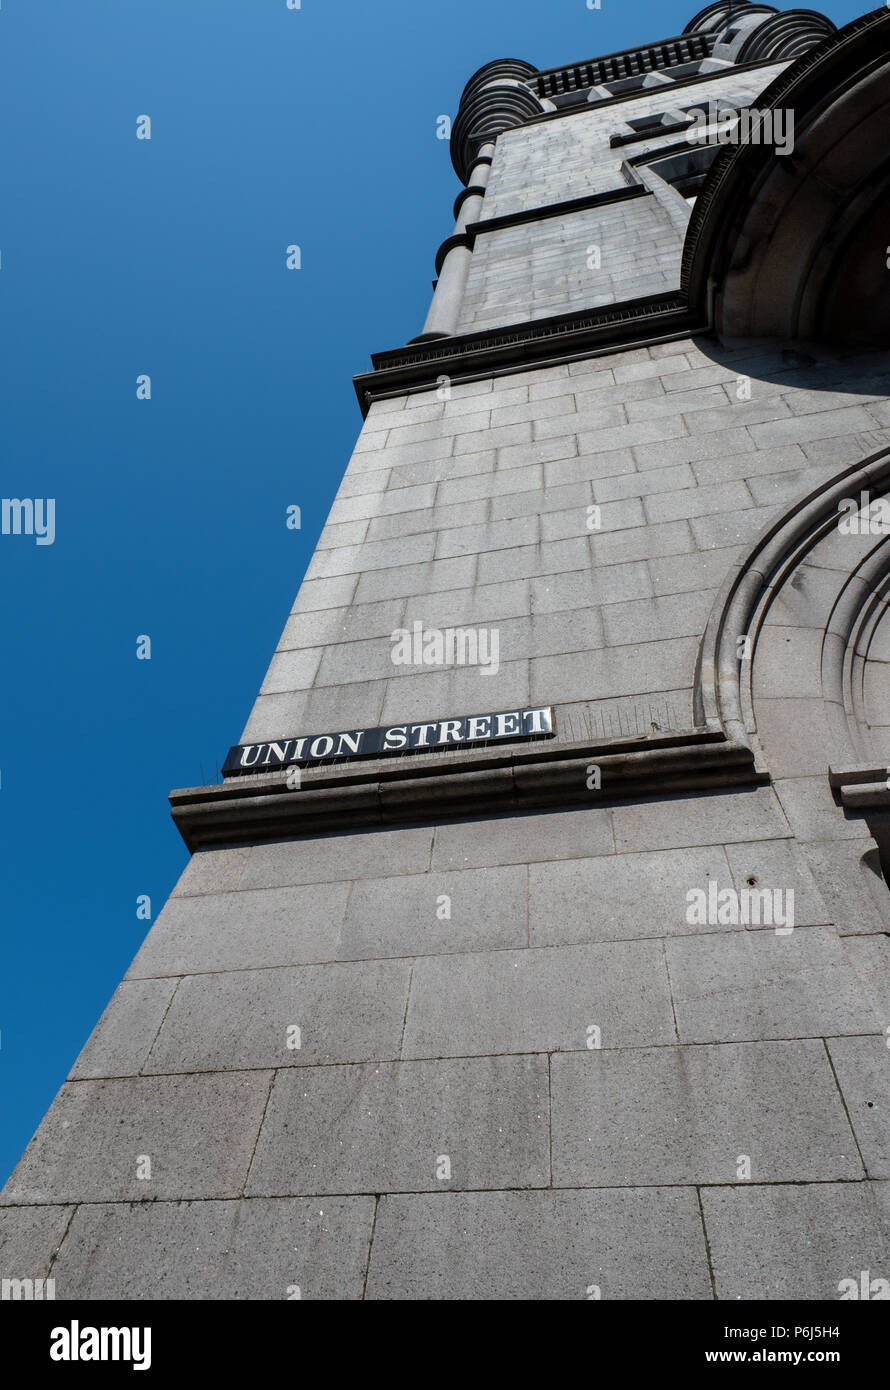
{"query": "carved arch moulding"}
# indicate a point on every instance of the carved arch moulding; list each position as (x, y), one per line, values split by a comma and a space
(795, 659)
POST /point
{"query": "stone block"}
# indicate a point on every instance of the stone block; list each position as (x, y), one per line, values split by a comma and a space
(639, 1116)
(743, 985)
(403, 1126)
(486, 909)
(796, 1241)
(205, 1251)
(325, 858)
(122, 1039)
(685, 820)
(523, 839)
(198, 1132)
(779, 864)
(234, 931)
(627, 670)
(29, 1239)
(212, 871)
(657, 619)
(245, 1019)
(862, 1068)
(540, 1246)
(620, 897)
(538, 1000)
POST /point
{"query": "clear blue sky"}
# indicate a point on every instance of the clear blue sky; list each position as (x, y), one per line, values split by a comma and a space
(118, 257)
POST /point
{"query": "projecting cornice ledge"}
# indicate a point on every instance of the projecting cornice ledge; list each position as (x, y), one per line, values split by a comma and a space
(522, 346)
(862, 787)
(455, 785)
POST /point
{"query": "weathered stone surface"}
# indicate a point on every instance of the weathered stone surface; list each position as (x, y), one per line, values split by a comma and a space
(756, 984)
(406, 1126)
(29, 1239)
(540, 1245)
(212, 871)
(323, 860)
(779, 864)
(198, 1132)
(426, 914)
(870, 958)
(863, 1073)
(538, 1000)
(246, 1018)
(634, 1116)
(620, 896)
(855, 895)
(796, 1241)
(519, 839)
(280, 1249)
(692, 820)
(122, 1038)
(281, 926)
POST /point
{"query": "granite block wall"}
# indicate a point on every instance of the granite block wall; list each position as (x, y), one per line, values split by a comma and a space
(519, 1070)
(474, 510)
(446, 1128)
(589, 258)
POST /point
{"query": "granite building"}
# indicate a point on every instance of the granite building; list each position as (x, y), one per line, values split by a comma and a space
(536, 942)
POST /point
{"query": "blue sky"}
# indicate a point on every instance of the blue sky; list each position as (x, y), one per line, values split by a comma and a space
(121, 257)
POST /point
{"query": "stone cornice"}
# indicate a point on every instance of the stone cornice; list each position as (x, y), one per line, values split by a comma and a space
(488, 781)
(457, 239)
(570, 205)
(677, 84)
(627, 62)
(785, 36)
(523, 346)
(862, 787)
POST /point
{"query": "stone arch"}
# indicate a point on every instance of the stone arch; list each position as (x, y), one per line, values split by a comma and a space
(807, 576)
(795, 659)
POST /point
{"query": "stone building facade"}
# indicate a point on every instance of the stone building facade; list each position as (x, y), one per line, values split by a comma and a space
(600, 1010)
